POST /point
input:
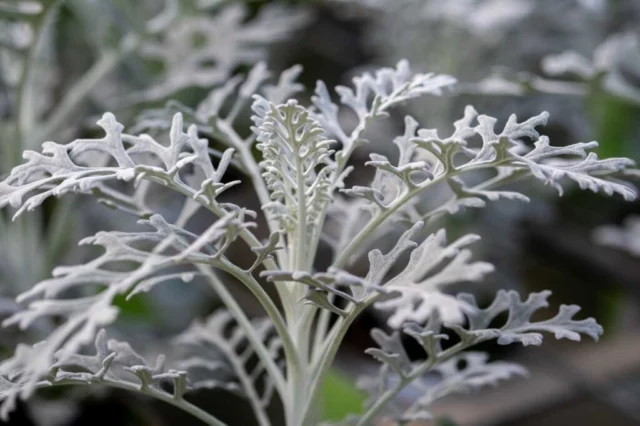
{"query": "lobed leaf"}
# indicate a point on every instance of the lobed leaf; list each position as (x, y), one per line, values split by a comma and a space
(372, 96)
(296, 165)
(87, 165)
(133, 262)
(519, 326)
(114, 363)
(432, 265)
(459, 371)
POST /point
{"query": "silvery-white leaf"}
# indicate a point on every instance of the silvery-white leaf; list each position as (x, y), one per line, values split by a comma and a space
(296, 165)
(549, 164)
(237, 90)
(68, 168)
(476, 373)
(324, 287)
(391, 351)
(115, 363)
(432, 266)
(505, 152)
(471, 197)
(519, 327)
(168, 247)
(398, 371)
(393, 180)
(372, 96)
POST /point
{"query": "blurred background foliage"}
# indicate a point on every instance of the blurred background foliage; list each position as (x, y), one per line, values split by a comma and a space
(65, 62)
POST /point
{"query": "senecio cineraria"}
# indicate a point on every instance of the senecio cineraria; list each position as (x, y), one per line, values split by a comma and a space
(304, 156)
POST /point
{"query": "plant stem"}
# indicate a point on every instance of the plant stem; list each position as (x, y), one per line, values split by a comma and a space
(269, 307)
(180, 403)
(248, 237)
(252, 168)
(24, 106)
(328, 353)
(242, 320)
(343, 258)
(186, 406)
(386, 397)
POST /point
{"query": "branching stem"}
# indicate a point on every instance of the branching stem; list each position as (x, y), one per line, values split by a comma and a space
(419, 371)
(25, 107)
(180, 403)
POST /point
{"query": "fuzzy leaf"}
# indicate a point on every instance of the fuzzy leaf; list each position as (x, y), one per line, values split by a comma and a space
(432, 265)
(296, 166)
(476, 373)
(398, 371)
(323, 287)
(372, 96)
(589, 172)
(237, 90)
(115, 363)
(132, 262)
(519, 327)
(391, 181)
(426, 159)
(83, 166)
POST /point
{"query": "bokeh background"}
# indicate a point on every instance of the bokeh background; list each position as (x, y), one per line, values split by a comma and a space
(577, 59)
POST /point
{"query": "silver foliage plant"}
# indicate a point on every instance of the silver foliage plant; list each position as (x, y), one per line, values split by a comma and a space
(300, 180)
(207, 39)
(164, 31)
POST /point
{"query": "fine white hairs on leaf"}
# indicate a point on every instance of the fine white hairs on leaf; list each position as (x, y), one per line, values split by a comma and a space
(415, 292)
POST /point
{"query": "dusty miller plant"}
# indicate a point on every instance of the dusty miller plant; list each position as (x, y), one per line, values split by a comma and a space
(41, 96)
(299, 177)
(115, 34)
